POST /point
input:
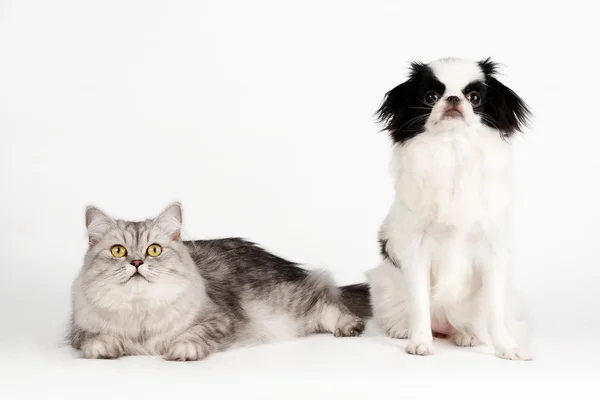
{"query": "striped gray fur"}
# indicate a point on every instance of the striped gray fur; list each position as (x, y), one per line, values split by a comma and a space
(197, 297)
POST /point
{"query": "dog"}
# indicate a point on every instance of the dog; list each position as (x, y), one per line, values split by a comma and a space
(445, 243)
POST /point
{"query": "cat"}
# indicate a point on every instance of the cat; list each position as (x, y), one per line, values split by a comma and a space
(142, 290)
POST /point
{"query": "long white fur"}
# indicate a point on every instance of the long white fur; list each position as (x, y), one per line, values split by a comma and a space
(449, 230)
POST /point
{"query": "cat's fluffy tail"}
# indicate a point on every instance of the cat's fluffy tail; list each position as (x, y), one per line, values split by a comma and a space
(357, 298)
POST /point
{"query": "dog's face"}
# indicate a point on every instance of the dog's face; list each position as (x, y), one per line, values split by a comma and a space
(450, 94)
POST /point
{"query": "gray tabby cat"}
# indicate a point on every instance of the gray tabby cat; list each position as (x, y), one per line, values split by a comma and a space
(142, 290)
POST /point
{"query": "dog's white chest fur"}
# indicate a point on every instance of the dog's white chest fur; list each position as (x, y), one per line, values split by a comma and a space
(456, 179)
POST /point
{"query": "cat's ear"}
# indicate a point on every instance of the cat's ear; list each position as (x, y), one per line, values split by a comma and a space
(170, 220)
(98, 224)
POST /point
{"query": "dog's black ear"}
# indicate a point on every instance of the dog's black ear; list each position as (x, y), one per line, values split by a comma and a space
(394, 106)
(488, 66)
(506, 111)
(396, 114)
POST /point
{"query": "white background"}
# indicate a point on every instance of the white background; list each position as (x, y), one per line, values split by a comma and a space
(258, 117)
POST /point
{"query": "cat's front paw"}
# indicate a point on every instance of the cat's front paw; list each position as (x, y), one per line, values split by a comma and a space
(186, 350)
(349, 325)
(102, 346)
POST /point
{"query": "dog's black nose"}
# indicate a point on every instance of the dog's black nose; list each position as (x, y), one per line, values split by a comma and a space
(453, 100)
(137, 263)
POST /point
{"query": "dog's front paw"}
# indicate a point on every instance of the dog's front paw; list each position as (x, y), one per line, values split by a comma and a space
(514, 353)
(102, 346)
(349, 325)
(186, 350)
(420, 348)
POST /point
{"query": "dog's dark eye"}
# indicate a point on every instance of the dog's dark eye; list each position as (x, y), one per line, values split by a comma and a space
(474, 98)
(431, 97)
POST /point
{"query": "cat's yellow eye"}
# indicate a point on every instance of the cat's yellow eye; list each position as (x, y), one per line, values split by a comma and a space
(154, 250)
(118, 251)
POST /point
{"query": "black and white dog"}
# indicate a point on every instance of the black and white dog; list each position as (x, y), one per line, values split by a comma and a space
(445, 241)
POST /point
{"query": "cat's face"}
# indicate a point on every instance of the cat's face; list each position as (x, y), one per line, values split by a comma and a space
(135, 261)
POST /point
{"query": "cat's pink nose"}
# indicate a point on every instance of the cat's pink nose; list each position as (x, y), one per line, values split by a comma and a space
(137, 263)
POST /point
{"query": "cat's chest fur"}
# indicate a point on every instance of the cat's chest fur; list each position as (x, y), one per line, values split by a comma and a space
(142, 327)
(456, 179)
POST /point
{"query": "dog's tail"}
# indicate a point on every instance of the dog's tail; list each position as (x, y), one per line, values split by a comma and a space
(357, 298)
